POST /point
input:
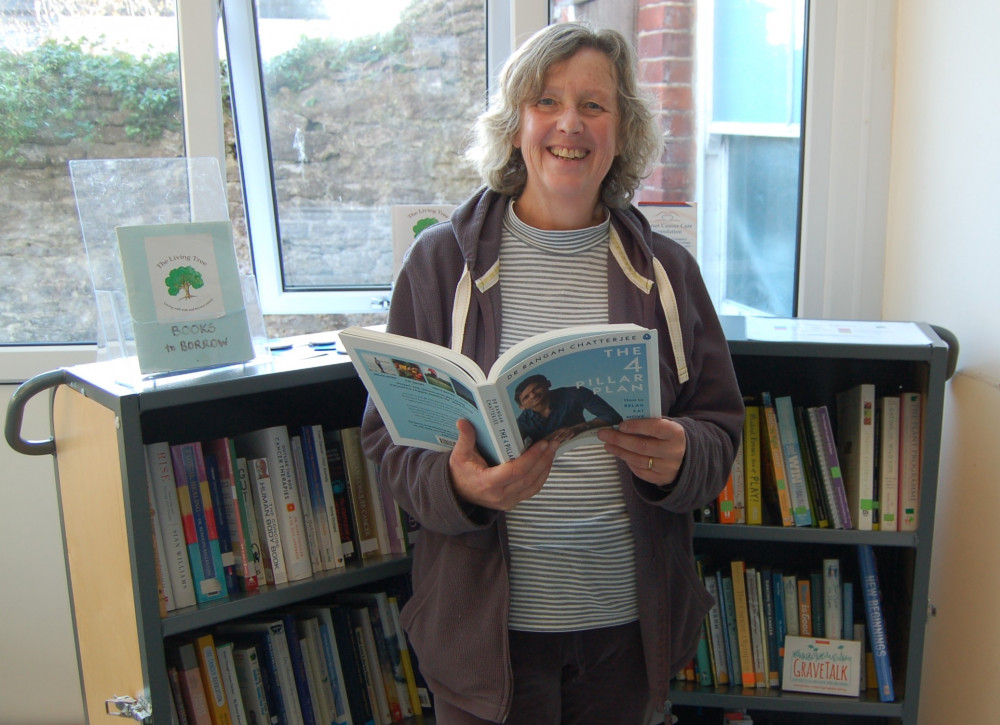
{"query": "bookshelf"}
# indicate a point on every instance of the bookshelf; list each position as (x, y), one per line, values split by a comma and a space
(99, 429)
(812, 365)
(101, 426)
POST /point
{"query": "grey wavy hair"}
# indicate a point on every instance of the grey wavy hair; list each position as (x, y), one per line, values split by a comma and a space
(640, 141)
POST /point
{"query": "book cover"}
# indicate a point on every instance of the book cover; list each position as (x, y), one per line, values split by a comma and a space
(887, 415)
(792, 458)
(910, 446)
(829, 460)
(184, 295)
(561, 385)
(875, 617)
(825, 666)
(362, 505)
(220, 493)
(408, 220)
(223, 450)
(751, 464)
(856, 448)
(742, 612)
(160, 471)
(776, 493)
(211, 677)
(341, 494)
(321, 490)
(273, 444)
(677, 220)
(272, 556)
(195, 502)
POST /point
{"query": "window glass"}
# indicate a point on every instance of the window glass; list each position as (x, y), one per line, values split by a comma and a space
(727, 75)
(364, 110)
(78, 79)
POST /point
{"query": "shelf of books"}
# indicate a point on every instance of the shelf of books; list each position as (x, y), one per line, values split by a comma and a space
(231, 559)
(818, 550)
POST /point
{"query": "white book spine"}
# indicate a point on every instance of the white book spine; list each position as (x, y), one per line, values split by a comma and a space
(329, 502)
(889, 463)
(163, 577)
(230, 682)
(833, 618)
(267, 518)
(273, 443)
(168, 514)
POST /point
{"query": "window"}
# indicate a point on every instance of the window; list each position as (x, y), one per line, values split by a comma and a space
(729, 76)
(78, 79)
(351, 112)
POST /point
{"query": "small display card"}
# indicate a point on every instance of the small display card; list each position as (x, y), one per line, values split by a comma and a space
(826, 666)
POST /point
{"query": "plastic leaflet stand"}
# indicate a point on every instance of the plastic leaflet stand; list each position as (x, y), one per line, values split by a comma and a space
(111, 193)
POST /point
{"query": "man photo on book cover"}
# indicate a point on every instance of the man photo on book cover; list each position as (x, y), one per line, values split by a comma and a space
(558, 414)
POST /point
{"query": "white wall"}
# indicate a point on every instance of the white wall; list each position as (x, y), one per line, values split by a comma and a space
(943, 266)
(38, 669)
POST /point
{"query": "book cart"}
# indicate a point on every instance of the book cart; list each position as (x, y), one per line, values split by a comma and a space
(812, 364)
(100, 427)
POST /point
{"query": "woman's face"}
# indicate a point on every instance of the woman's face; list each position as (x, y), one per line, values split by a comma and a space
(568, 137)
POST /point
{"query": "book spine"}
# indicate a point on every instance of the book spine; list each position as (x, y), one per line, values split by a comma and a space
(202, 538)
(219, 493)
(273, 443)
(368, 657)
(738, 569)
(781, 629)
(716, 635)
(224, 452)
(756, 633)
(192, 686)
(804, 595)
(347, 647)
(312, 537)
(163, 589)
(335, 673)
(272, 556)
(362, 505)
(766, 587)
(751, 465)
(856, 441)
(406, 659)
(790, 595)
(248, 520)
(775, 462)
(230, 681)
(315, 445)
(818, 500)
(211, 676)
(732, 634)
(829, 446)
(341, 494)
(251, 684)
(725, 503)
(910, 424)
(168, 512)
(833, 616)
(792, 458)
(823, 468)
(888, 453)
(874, 615)
(739, 486)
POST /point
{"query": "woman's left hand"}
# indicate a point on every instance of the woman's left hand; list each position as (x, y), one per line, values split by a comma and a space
(653, 448)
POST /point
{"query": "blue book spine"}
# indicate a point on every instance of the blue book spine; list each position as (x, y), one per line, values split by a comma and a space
(875, 617)
(847, 609)
(215, 487)
(729, 604)
(299, 667)
(781, 629)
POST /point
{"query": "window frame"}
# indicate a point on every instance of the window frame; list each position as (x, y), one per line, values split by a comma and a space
(844, 193)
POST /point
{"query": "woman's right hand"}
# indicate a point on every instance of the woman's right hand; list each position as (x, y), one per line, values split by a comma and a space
(499, 487)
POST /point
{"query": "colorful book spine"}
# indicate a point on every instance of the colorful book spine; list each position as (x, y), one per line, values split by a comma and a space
(211, 677)
(792, 458)
(220, 493)
(191, 685)
(223, 450)
(738, 569)
(910, 433)
(171, 524)
(725, 504)
(874, 615)
(199, 522)
(716, 634)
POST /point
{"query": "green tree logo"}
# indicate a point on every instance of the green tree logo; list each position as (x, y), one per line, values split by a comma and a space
(183, 279)
(423, 224)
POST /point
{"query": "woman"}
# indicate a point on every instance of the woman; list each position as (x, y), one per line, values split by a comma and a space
(561, 590)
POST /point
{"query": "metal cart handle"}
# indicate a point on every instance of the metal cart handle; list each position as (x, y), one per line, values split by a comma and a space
(15, 413)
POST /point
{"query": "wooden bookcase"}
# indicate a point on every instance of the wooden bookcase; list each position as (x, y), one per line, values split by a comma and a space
(100, 427)
(812, 366)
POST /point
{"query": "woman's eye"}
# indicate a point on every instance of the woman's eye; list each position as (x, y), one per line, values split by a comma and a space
(546, 102)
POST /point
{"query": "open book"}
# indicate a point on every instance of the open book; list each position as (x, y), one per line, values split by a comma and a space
(562, 385)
